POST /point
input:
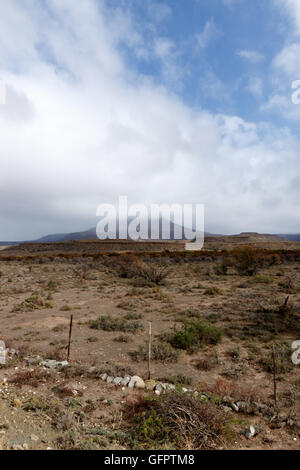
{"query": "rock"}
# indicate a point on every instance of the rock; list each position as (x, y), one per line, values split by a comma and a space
(157, 392)
(17, 403)
(34, 438)
(136, 382)
(158, 388)
(139, 383)
(282, 416)
(117, 381)
(31, 361)
(103, 376)
(227, 400)
(109, 379)
(126, 380)
(170, 387)
(52, 364)
(250, 432)
(12, 352)
(235, 407)
(243, 406)
(184, 390)
(150, 384)
(227, 409)
(3, 353)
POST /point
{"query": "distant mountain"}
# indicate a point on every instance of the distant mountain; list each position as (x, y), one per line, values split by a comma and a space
(64, 237)
(9, 243)
(91, 235)
(292, 237)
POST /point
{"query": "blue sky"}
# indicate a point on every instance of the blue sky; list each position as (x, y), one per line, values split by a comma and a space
(221, 52)
(159, 100)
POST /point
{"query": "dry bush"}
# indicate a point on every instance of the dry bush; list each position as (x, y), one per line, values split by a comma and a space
(246, 260)
(206, 363)
(161, 351)
(131, 267)
(223, 387)
(57, 354)
(177, 420)
(34, 302)
(33, 378)
(109, 323)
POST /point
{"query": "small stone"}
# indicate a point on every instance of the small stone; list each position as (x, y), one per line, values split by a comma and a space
(227, 400)
(109, 379)
(117, 381)
(250, 432)
(158, 388)
(103, 376)
(17, 447)
(126, 380)
(34, 438)
(235, 407)
(17, 403)
(227, 409)
(136, 382)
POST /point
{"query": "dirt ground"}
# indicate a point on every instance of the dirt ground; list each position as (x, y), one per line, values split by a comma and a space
(38, 416)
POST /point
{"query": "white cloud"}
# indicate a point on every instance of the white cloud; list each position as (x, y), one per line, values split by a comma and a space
(209, 34)
(252, 56)
(84, 128)
(288, 60)
(291, 8)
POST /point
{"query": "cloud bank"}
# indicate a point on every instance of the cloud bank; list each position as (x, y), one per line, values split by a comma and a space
(82, 126)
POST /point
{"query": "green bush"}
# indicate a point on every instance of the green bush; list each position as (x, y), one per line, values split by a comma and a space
(161, 351)
(108, 323)
(195, 334)
(246, 260)
(178, 421)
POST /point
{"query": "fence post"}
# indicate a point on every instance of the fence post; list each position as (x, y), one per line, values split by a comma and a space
(149, 350)
(70, 335)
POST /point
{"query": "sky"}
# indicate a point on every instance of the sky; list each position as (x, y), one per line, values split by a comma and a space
(164, 101)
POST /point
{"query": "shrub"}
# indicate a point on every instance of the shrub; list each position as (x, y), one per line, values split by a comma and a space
(161, 351)
(34, 302)
(122, 339)
(194, 334)
(212, 291)
(132, 267)
(177, 420)
(108, 323)
(246, 260)
(206, 363)
(32, 378)
(221, 269)
(284, 363)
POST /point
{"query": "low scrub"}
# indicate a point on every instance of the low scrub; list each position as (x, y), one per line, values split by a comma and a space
(132, 267)
(108, 323)
(195, 334)
(160, 351)
(34, 302)
(177, 420)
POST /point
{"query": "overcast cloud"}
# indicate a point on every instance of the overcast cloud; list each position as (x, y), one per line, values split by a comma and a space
(83, 123)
